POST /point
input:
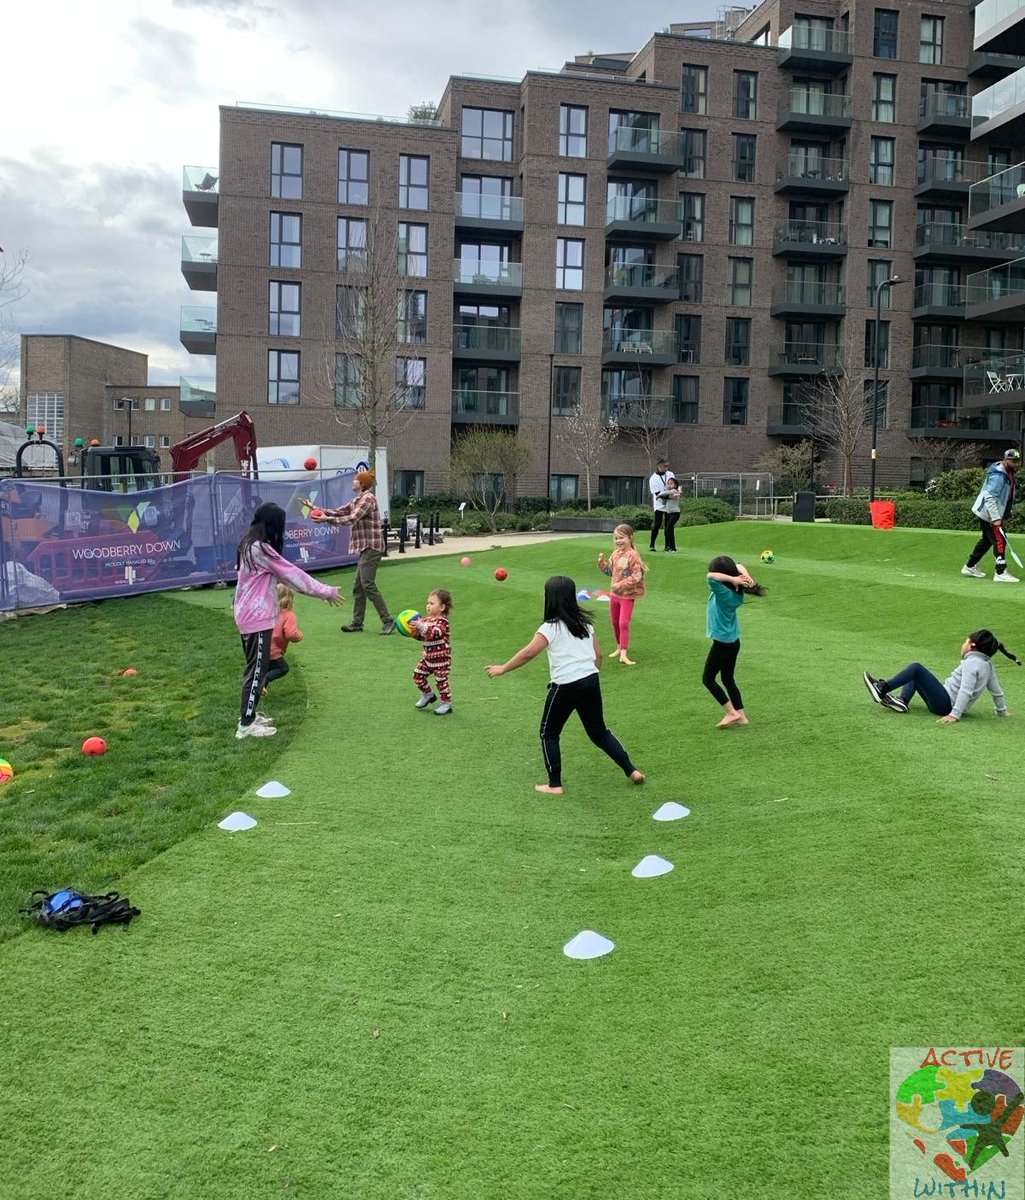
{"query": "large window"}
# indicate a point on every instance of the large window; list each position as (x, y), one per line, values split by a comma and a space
(688, 338)
(691, 269)
(685, 399)
(282, 377)
(880, 163)
(694, 90)
(884, 98)
(412, 248)
(569, 264)
(286, 240)
(692, 216)
(353, 177)
(350, 312)
(734, 401)
(408, 483)
(572, 131)
(633, 131)
(884, 33)
(738, 341)
(283, 310)
(569, 328)
(930, 41)
(486, 196)
(744, 149)
(741, 277)
(882, 359)
(411, 382)
(352, 244)
(878, 271)
(562, 489)
(412, 318)
(565, 391)
(413, 181)
(745, 94)
(348, 381)
(742, 221)
(572, 203)
(286, 171)
(47, 409)
(487, 133)
(880, 223)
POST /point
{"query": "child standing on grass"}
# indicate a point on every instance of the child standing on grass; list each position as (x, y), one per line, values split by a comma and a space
(286, 629)
(437, 656)
(627, 569)
(952, 699)
(261, 565)
(574, 657)
(728, 582)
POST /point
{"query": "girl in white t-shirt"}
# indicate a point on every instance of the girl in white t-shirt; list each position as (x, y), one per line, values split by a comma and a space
(574, 657)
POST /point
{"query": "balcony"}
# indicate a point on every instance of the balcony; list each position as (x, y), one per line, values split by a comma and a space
(485, 408)
(936, 362)
(486, 343)
(639, 347)
(476, 213)
(787, 420)
(982, 65)
(642, 282)
(1000, 27)
(811, 174)
(944, 115)
(200, 195)
(199, 263)
(942, 421)
(938, 300)
(994, 380)
(638, 412)
(949, 178)
(805, 47)
(807, 359)
(488, 279)
(997, 295)
(998, 201)
(815, 112)
(633, 149)
(936, 241)
(638, 217)
(808, 299)
(197, 397)
(816, 240)
(999, 111)
(198, 329)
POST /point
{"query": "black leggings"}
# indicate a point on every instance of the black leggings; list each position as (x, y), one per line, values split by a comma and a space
(671, 519)
(278, 669)
(582, 696)
(257, 651)
(722, 661)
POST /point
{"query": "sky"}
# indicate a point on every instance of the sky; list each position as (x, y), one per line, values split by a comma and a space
(116, 96)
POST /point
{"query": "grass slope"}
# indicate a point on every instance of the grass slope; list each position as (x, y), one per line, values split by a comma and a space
(365, 995)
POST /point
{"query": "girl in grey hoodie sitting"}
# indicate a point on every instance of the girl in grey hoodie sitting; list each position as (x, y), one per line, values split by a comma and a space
(952, 699)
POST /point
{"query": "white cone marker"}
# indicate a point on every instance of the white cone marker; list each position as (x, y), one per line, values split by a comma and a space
(236, 821)
(670, 811)
(650, 866)
(273, 790)
(587, 944)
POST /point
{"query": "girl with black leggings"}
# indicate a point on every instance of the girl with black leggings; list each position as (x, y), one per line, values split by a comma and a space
(729, 582)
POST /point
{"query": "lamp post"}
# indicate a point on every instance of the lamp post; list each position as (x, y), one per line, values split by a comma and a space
(551, 405)
(129, 404)
(875, 387)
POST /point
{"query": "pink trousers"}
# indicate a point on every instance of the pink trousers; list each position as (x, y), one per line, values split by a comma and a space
(621, 610)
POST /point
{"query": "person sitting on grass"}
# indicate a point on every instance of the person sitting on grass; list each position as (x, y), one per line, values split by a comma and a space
(952, 699)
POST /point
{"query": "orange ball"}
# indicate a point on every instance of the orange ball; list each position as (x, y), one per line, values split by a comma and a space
(94, 745)
(310, 464)
(501, 574)
(128, 671)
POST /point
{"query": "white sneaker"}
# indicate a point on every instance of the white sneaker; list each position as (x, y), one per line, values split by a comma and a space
(974, 572)
(257, 729)
(260, 719)
(1006, 577)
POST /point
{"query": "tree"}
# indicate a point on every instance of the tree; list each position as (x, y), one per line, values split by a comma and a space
(836, 408)
(12, 289)
(648, 421)
(585, 433)
(940, 455)
(795, 464)
(484, 466)
(424, 113)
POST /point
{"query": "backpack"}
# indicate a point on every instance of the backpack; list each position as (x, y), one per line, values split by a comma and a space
(61, 910)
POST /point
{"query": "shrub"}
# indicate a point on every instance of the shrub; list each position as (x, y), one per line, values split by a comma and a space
(712, 511)
(957, 485)
(525, 506)
(914, 513)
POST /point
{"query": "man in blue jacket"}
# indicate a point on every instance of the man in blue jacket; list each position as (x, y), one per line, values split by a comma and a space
(993, 507)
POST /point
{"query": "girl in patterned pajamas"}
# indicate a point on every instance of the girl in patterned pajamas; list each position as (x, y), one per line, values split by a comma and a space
(437, 656)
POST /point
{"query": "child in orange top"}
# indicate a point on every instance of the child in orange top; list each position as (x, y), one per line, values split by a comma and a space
(286, 630)
(437, 656)
(627, 569)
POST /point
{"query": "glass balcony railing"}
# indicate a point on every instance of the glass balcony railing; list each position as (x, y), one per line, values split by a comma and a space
(940, 106)
(638, 412)
(486, 404)
(642, 210)
(629, 139)
(990, 13)
(482, 207)
(945, 358)
(811, 233)
(199, 250)
(812, 294)
(641, 275)
(826, 356)
(939, 295)
(197, 391)
(994, 374)
(639, 342)
(198, 319)
(790, 414)
(804, 103)
(1001, 97)
(938, 170)
(489, 274)
(803, 36)
(200, 179)
(498, 339)
(1006, 282)
(945, 417)
(994, 191)
(813, 167)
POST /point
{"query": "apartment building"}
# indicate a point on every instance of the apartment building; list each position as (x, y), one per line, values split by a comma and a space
(694, 238)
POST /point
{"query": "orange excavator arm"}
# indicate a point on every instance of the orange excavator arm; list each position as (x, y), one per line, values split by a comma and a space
(240, 429)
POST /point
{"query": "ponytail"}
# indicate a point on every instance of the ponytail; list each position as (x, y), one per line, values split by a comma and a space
(986, 643)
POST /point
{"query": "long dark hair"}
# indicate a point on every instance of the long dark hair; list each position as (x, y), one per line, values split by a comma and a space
(268, 527)
(986, 643)
(561, 605)
(724, 565)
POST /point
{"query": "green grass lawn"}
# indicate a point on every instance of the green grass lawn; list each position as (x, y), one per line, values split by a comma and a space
(365, 996)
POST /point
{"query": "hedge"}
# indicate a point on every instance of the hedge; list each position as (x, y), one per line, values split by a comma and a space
(912, 514)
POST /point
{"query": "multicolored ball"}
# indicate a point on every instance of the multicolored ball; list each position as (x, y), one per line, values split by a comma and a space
(768, 556)
(6, 771)
(404, 622)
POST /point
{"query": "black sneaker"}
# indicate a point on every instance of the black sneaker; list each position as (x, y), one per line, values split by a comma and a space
(875, 687)
(388, 628)
(352, 629)
(894, 702)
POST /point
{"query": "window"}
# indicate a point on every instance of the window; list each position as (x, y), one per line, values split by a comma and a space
(691, 269)
(884, 344)
(878, 271)
(744, 147)
(350, 312)
(742, 221)
(688, 338)
(884, 98)
(286, 171)
(694, 90)
(352, 244)
(119, 440)
(282, 377)
(487, 133)
(930, 41)
(412, 318)
(734, 401)
(412, 250)
(884, 34)
(685, 399)
(486, 196)
(408, 483)
(572, 131)
(165, 404)
(411, 382)
(165, 441)
(353, 177)
(572, 205)
(286, 240)
(880, 163)
(413, 188)
(569, 329)
(692, 216)
(880, 223)
(150, 404)
(625, 489)
(636, 132)
(569, 264)
(562, 489)
(565, 391)
(741, 276)
(283, 309)
(881, 397)
(150, 441)
(745, 94)
(738, 341)
(348, 381)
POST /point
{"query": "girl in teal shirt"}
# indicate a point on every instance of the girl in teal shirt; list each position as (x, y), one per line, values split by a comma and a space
(729, 582)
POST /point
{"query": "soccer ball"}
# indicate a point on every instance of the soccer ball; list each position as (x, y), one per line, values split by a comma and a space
(404, 622)
(768, 556)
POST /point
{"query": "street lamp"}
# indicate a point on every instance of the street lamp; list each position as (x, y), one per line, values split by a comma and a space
(875, 388)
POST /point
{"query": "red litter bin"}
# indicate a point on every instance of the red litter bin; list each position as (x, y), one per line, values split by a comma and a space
(884, 513)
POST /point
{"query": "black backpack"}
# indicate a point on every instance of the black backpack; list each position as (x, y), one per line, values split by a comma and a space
(66, 908)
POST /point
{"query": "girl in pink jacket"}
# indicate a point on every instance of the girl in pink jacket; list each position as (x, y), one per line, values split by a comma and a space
(261, 566)
(627, 569)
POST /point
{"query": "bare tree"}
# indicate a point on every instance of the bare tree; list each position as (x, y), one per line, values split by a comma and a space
(796, 464)
(484, 466)
(837, 408)
(585, 433)
(940, 454)
(646, 420)
(12, 289)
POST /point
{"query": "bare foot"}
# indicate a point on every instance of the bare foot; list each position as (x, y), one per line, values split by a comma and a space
(615, 653)
(627, 662)
(732, 719)
(547, 789)
(636, 776)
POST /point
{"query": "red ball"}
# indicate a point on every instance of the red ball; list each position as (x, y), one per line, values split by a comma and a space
(310, 464)
(465, 561)
(94, 745)
(501, 574)
(128, 671)
(316, 513)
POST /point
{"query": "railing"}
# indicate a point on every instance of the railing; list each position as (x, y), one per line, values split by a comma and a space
(486, 404)
(941, 234)
(991, 13)
(994, 374)
(198, 319)
(489, 273)
(814, 167)
(630, 139)
(944, 417)
(812, 233)
(802, 102)
(790, 414)
(201, 250)
(638, 412)
(820, 295)
(338, 116)
(497, 338)
(1004, 95)
(197, 391)
(996, 190)
(942, 104)
(639, 342)
(824, 355)
(939, 295)
(642, 210)
(998, 283)
(200, 179)
(489, 208)
(932, 355)
(936, 170)
(802, 36)
(640, 275)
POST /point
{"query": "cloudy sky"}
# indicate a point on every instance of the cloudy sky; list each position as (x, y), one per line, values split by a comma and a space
(117, 95)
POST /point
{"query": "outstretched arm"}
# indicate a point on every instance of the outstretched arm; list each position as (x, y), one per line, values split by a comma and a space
(531, 650)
